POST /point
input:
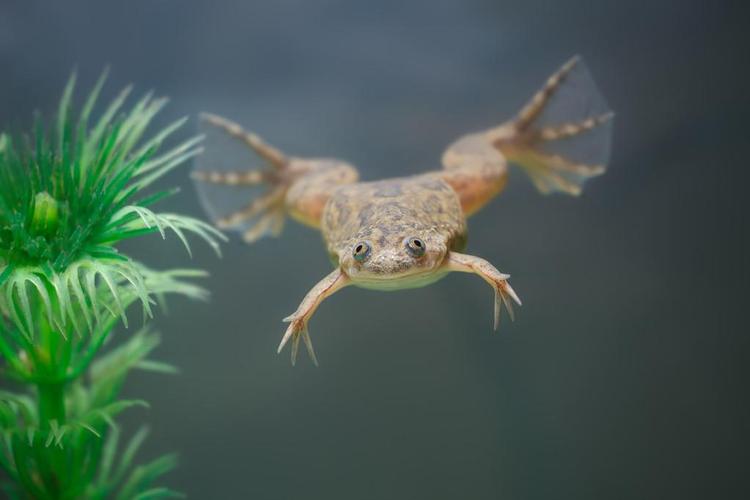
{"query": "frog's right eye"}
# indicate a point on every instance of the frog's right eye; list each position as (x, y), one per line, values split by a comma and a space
(361, 251)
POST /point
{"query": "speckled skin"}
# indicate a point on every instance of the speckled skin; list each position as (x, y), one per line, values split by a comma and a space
(385, 214)
(385, 217)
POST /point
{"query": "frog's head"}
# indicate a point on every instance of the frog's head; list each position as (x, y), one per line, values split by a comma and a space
(391, 260)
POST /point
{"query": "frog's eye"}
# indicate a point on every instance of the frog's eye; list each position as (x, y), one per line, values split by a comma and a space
(415, 247)
(361, 251)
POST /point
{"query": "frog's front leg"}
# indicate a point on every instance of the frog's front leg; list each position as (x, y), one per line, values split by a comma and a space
(298, 320)
(489, 273)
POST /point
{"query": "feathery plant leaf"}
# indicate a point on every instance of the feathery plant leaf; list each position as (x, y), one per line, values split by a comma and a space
(68, 196)
(88, 436)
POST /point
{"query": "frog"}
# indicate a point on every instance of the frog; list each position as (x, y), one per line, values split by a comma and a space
(411, 231)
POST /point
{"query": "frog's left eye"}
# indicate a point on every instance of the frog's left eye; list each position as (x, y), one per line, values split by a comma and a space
(361, 251)
(415, 247)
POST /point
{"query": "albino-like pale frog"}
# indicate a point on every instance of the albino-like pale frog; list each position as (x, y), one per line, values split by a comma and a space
(411, 231)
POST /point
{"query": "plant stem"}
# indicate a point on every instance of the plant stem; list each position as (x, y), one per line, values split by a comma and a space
(51, 403)
(52, 407)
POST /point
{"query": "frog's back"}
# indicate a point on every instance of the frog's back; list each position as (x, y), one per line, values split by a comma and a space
(387, 211)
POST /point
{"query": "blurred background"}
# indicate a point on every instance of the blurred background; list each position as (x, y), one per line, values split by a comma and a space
(620, 377)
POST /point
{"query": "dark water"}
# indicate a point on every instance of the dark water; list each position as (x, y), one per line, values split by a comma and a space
(621, 376)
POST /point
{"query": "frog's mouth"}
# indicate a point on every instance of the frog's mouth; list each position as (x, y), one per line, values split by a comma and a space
(412, 278)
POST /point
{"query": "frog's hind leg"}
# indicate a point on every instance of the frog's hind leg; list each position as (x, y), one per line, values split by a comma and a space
(561, 137)
(294, 186)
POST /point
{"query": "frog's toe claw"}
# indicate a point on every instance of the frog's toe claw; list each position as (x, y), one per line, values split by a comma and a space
(510, 292)
(287, 335)
(297, 330)
(309, 346)
(503, 293)
(498, 309)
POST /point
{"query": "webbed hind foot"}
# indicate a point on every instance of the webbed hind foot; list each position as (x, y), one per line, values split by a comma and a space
(265, 213)
(296, 186)
(561, 137)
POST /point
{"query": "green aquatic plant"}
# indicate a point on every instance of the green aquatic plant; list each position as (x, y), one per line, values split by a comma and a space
(68, 195)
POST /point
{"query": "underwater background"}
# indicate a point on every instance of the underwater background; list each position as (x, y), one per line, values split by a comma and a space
(621, 377)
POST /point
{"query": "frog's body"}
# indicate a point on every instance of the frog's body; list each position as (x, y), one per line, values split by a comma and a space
(408, 232)
(384, 214)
